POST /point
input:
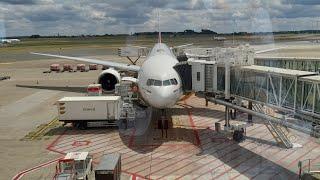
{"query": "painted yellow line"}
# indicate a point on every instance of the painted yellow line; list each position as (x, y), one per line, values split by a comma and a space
(44, 128)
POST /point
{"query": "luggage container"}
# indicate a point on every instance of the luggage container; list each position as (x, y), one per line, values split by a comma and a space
(93, 67)
(81, 67)
(55, 67)
(109, 167)
(67, 67)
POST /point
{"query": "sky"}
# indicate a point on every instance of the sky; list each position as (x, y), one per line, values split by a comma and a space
(76, 17)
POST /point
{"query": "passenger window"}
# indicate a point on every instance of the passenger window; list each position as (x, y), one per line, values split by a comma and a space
(157, 83)
(166, 83)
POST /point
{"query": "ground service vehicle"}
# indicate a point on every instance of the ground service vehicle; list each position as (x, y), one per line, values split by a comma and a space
(75, 165)
(81, 110)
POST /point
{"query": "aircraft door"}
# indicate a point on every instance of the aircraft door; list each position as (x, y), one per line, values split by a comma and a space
(185, 73)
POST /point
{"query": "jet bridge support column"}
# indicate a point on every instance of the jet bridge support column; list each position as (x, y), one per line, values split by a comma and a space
(227, 117)
(265, 117)
(215, 78)
(227, 93)
(250, 115)
(227, 82)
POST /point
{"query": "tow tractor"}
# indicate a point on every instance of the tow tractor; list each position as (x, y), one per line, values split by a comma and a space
(75, 165)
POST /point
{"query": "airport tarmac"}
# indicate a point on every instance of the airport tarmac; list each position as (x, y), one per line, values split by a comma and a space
(191, 150)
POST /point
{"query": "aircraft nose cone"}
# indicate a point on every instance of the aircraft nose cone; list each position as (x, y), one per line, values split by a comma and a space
(163, 99)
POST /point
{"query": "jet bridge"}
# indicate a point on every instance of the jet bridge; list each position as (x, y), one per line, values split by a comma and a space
(297, 92)
(298, 63)
(229, 77)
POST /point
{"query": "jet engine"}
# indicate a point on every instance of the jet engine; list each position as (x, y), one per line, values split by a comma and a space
(108, 79)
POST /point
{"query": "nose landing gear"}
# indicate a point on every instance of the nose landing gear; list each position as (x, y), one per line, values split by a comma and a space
(163, 124)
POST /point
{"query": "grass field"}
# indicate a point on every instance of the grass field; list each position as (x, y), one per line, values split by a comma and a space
(108, 45)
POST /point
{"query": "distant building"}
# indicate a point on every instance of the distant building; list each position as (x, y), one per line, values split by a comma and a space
(219, 38)
(207, 31)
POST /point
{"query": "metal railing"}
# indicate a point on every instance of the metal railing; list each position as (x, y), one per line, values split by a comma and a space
(309, 167)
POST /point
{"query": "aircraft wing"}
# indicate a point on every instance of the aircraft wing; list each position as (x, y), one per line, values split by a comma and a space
(268, 50)
(77, 89)
(116, 65)
(183, 46)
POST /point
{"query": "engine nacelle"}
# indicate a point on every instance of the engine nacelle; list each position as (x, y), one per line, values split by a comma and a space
(108, 79)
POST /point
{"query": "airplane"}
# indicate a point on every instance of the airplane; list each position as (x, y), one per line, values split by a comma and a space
(8, 41)
(159, 84)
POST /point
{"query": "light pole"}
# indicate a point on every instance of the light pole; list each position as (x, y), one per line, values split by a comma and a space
(234, 27)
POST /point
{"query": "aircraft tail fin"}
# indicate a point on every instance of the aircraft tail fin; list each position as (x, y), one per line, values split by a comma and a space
(159, 35)
(159, 38)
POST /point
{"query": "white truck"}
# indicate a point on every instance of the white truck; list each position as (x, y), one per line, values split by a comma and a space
(74, 166)
(82, 110)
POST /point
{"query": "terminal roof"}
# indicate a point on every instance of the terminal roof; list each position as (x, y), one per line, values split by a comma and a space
(279, 71)
(315, 79)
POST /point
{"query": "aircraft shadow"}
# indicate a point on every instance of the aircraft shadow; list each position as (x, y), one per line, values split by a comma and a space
(146, 137)
(227, 151)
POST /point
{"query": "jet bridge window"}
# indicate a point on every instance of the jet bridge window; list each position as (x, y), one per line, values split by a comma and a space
(198, 76)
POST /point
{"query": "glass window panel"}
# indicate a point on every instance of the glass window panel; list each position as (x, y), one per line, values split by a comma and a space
(157, 83)
(176, 82)
(166, 83)
(198, 76)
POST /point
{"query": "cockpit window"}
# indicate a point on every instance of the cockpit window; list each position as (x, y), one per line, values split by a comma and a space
(150, 82)
(166, 83)
(174, 81)
(157, 83)
(153, 82)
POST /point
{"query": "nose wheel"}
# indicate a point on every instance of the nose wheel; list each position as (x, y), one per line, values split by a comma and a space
(163, 124)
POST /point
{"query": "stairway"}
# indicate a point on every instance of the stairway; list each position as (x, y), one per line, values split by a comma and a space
(258, 108)
(280, 134)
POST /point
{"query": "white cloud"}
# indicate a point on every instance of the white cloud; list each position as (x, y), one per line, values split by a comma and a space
(73, 17)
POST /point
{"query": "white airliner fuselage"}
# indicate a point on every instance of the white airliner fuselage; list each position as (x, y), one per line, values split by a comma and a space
(159, 83)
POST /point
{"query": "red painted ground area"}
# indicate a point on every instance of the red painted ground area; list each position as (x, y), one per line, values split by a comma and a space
(200, 155)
